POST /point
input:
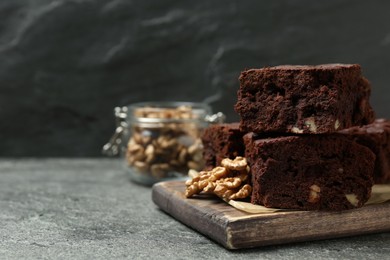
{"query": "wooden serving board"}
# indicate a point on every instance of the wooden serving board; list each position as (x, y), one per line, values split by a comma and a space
(236, 229)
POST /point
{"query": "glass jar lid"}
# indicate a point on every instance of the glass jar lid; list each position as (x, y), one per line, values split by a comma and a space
(167, 112)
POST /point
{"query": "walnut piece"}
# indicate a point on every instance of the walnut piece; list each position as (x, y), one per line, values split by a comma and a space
(238, 164)
(314, 195)
(336, 124)
(352, 198)
(244, 192)
(296, 130)
(229, 181)
(162, 148)
(311, 124)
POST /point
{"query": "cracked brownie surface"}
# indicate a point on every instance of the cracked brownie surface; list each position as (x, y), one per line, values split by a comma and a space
(303, 99)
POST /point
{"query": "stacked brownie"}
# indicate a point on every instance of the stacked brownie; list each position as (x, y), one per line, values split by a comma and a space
(316, 168)
(376, 137)
(291, 117)
(309, 172)
(303, 99)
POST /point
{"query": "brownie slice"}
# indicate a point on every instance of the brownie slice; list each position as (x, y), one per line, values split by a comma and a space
(375, 136)
(309, 172)
(303, 99)
(221, 141)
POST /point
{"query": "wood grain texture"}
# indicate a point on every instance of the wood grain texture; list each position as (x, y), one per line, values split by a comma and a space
(235, 229)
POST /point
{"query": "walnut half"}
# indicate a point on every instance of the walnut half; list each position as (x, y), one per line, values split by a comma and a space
(229, 181)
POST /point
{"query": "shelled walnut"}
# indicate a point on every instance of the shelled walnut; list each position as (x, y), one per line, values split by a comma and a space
(229, 181)
(167, 144)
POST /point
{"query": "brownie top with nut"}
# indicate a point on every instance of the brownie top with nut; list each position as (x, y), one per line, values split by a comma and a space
(303, 99)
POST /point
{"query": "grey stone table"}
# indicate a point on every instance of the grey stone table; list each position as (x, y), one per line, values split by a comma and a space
(87, 209)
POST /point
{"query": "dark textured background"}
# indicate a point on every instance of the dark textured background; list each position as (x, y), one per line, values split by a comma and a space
(65, 64)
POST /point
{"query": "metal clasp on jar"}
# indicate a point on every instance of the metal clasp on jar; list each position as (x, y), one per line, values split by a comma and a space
(112, 148)
(217, 118)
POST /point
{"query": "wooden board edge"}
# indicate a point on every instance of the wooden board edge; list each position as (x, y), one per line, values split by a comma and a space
(239, 237)
(174, 205)
(230, 231)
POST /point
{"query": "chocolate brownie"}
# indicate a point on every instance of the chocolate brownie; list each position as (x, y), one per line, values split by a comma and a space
(309, 172)
(375, 136)
(222, 141)
(303, 99)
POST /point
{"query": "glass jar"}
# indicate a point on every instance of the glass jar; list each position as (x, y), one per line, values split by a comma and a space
(161, 140)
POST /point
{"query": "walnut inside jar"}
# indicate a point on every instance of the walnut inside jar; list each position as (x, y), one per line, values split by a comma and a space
(167, 144)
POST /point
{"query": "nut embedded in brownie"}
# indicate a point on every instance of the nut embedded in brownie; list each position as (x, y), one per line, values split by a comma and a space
(309, 172)
(303, 99)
